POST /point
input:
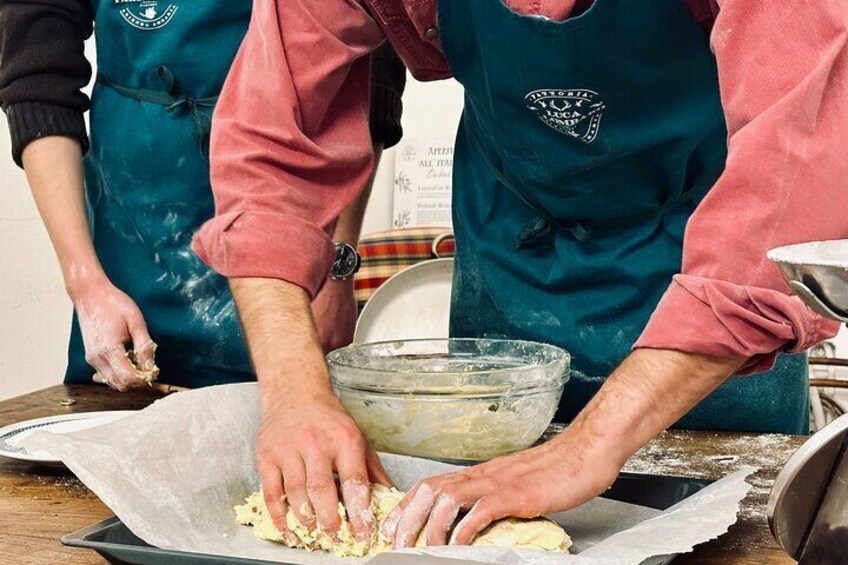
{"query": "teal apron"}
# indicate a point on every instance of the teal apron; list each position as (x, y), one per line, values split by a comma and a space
(584, 147)
(162, 64)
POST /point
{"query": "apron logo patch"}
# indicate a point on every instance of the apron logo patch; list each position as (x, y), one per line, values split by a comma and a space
(574, 112)
(146, 14)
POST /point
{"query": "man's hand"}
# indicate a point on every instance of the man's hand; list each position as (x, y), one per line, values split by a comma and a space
(525, 485)
(650, 391)
(306, 436)
(335, 314)
(109, 320)
(301, 443)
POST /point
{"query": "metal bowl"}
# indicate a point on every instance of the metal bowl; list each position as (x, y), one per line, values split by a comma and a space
(451, 399)
(818, 273)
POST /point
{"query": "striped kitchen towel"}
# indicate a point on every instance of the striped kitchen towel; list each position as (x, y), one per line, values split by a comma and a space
(386, 253)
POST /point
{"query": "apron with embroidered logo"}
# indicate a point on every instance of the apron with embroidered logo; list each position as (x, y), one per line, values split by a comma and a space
(584, 147)
(161, 66)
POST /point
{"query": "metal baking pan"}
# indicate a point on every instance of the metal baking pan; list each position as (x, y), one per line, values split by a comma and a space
(117, 544)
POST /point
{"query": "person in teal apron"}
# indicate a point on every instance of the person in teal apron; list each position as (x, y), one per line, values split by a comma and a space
(575, 174)
(147, 180)
(584, 147)
(161, 65)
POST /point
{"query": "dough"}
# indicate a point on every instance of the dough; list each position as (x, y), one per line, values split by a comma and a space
(146, 375)
(467, 424)
(538, 533)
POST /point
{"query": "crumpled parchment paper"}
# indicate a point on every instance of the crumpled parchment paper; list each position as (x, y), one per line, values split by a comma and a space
(173, 472)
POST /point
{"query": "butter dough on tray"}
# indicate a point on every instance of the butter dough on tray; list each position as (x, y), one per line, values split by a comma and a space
(538, 533)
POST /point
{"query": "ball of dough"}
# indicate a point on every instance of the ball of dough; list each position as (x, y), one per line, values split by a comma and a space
(538, 533)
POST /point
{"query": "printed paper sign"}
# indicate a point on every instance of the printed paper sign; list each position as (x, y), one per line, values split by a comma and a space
(422, 195)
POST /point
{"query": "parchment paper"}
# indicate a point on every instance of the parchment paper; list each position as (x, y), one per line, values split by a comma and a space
(173, 472)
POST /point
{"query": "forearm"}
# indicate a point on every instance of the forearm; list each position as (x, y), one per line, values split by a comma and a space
(650, 391)
(349, 225)
(646, 394)
(283, 171)
(305, 438)
(54, 170)
(281, 335)
(785, 108)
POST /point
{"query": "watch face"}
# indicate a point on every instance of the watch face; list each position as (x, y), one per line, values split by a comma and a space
(346, 263)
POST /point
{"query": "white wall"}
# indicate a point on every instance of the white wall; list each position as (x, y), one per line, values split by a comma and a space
(34, 311)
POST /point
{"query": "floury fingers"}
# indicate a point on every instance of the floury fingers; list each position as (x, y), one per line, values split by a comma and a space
(538, 534)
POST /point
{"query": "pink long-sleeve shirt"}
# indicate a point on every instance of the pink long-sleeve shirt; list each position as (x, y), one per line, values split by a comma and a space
(291, 149)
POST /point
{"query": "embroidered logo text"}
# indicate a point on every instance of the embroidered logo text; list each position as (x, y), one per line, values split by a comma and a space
(575, 112)
(147, 14)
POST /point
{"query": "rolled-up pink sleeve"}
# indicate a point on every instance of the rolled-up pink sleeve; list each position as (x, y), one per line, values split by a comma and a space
(290, 144)
(783, 73)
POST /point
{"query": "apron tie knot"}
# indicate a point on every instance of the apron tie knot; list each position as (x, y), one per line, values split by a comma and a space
(187, 102)
(532, 232)
(173, 97)
(539, 227)
(180, 99)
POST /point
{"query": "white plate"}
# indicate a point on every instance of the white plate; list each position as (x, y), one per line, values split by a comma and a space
(413, 304)
(12, 436)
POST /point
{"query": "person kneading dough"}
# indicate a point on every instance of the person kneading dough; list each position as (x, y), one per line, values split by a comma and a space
(539, 533)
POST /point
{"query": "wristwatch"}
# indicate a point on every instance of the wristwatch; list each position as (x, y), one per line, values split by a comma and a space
(347, 262)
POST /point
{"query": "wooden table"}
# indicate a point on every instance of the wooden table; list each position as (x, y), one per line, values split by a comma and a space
(38, 505)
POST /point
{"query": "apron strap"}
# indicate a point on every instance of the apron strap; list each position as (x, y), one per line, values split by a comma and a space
(578, 229)
(173, 97)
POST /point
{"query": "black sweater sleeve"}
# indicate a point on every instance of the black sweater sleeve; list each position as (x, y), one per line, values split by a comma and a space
(388, 80)
(43, 69)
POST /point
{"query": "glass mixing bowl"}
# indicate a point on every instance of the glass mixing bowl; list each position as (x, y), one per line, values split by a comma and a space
(451, 399)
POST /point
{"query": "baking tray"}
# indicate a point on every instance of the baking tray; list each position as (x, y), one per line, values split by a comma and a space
(117, 544)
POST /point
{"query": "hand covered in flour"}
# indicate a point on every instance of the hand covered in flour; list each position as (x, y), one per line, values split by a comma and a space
(335, 313)
(552, 477)
(302, 441)
(646, 394)
(109, 319)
